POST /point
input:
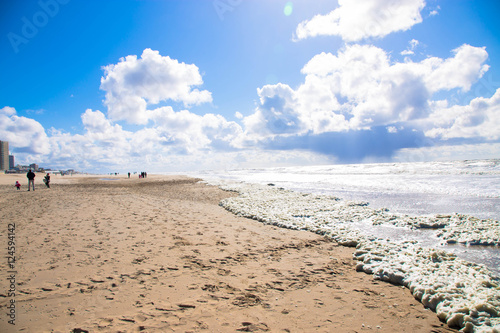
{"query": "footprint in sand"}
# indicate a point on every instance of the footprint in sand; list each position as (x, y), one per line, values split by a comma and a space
(249, 327)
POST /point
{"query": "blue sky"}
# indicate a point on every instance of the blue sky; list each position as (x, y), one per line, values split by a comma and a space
(154, 85)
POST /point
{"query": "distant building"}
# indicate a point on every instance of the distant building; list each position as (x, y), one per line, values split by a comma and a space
(34, 167)
(4, 155)
(11, 162)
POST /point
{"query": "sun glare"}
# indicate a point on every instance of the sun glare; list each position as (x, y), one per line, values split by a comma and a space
(288, 8)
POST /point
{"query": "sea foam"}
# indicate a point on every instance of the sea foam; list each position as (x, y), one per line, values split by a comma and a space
(463, 294)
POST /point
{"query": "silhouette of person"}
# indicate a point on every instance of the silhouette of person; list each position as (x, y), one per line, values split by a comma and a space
(18, 185)
(31, 179)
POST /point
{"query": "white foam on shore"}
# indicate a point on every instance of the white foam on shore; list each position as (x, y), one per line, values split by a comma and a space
(463, 294)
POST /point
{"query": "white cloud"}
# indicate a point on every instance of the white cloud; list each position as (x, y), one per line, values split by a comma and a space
(100, 128)
(460, 71)
(277, 113)
(174, 136)
(193, 132)
(7, 111)
(103, 145)
(133, 83)
(355, 20)
(23, 134)
(435, 12)
(411, 47)
(392, 129)
(360, 88)
(320, 110)
(72, 151)
(481, 118)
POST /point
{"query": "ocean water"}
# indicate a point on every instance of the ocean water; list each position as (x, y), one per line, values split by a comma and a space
(466, 187)
(470, 187)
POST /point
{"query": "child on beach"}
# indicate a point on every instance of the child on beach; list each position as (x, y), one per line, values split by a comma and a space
(18, 185)
(46, 180)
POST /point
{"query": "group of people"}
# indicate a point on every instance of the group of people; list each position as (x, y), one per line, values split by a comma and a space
(143, 174)
(31, 180)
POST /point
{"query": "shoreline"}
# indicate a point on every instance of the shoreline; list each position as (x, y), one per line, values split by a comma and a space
(159, 254)
(463, 294)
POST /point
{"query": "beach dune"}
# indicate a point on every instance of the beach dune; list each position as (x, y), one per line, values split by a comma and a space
(160, 255)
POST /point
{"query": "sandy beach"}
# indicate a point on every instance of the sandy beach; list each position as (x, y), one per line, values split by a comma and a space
(111, 254)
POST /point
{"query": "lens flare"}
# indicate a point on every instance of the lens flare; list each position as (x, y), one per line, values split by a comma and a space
(288, 8)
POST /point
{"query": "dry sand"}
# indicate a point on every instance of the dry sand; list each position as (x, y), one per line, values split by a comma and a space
(160, 255)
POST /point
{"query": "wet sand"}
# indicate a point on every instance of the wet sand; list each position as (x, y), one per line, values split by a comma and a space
(160, 255)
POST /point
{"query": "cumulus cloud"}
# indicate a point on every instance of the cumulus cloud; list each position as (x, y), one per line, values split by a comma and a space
(435, 11)
(7, 111)
(102, 146)
(133, 84)
(479, 119)
(23, 134)
(360, 88)
(277, 113)
(355, 20)
(191, 132)
(411, 47)
(73, 151)
(101, 129)
(460, 71)
(172, 140)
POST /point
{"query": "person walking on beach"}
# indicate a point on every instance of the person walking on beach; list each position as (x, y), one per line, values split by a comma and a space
(46, 180)
(17, 185)
(31, 179)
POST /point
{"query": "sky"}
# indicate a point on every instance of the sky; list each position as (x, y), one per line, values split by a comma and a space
(190, 85)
